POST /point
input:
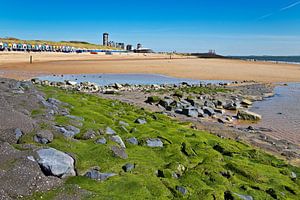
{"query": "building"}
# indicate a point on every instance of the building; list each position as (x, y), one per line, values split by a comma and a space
(120, 45)
(139, 46)
(105, 39)
(129, 47)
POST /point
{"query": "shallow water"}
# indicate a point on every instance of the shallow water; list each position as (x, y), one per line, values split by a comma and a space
(139, 79)
(281, 113)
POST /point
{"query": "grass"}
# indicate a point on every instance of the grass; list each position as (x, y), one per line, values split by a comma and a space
(208, 166)
(76, 44)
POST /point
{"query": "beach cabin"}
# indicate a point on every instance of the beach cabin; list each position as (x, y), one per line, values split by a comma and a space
(29, 47)
(14, 46)
(47, 47)
(1, 46)
(19, 47)
(24, 47)
(9, 46)
(43, 47)
(5, 46)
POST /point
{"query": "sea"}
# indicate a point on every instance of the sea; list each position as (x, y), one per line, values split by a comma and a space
(277, 59)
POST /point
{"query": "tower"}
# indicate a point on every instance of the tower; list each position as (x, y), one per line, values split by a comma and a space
(105, 39)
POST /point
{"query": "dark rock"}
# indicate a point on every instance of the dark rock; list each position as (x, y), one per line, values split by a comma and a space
(100, 141)
(182, 190)
(55, 163)
(140, 121)
(133, 141)
(43, 137)
(232, 106)
(165, 102)
(209, 111)
(119, 152)
(128, 167)
(96, 175)
(190, 112)
(154, 143)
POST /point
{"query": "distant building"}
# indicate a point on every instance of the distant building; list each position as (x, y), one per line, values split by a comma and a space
(105, 39)
(129, 47)
(139, 46)
(120, 45)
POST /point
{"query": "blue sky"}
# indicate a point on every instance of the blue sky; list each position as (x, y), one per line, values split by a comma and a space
(232, 27)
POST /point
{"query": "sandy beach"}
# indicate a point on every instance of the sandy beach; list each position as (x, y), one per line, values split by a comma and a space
(16, 65)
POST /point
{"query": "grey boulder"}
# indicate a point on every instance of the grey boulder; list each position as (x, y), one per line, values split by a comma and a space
(68, 131)
(55, 163)
(118, 140)
(43, 137)
(96, 175)
(133, 141)
(154, 143)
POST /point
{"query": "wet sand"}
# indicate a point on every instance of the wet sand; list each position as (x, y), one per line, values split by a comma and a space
(16, 65)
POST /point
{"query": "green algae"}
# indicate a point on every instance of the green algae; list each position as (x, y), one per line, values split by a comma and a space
(207, 166)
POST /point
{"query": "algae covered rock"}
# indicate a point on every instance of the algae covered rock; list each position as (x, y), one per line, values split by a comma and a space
(247, 115)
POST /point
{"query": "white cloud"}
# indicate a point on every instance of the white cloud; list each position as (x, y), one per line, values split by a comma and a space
(290, 6)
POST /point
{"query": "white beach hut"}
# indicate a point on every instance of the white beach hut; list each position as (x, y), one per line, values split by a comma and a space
(24, 47)
(1, 46)
(14, 46)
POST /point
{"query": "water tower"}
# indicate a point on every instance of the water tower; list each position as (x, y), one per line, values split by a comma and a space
(105, 39)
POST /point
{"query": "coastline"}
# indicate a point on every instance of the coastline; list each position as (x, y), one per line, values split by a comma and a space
(16, 65)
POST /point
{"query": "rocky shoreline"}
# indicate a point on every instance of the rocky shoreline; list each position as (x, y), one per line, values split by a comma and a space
(29, 127)
(218, 108)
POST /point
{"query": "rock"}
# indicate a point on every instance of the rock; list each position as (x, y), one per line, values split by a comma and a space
(133, 130)
(110, 131)
(219, 111)
(190, 112)
(117, 86)
(109, 92)
(153, 99)
(121, 123)
(18, 133)
(55, 163)
(119, 152)
(232, 106)
(209, 111)
(100, 141)
(247, 115)
(293, 175)
(43, 137)
(246, 102)
(154, 143)
(72, 83)
(54, 101)
(182, 190)
(68, 131)
(244, 197)
(140, 121)
(128, 167)
(133, 141)
(90, 134)
(118, 140)
(96, 175)
(165, 102)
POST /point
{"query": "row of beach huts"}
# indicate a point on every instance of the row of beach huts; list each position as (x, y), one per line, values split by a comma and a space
(4, 46)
